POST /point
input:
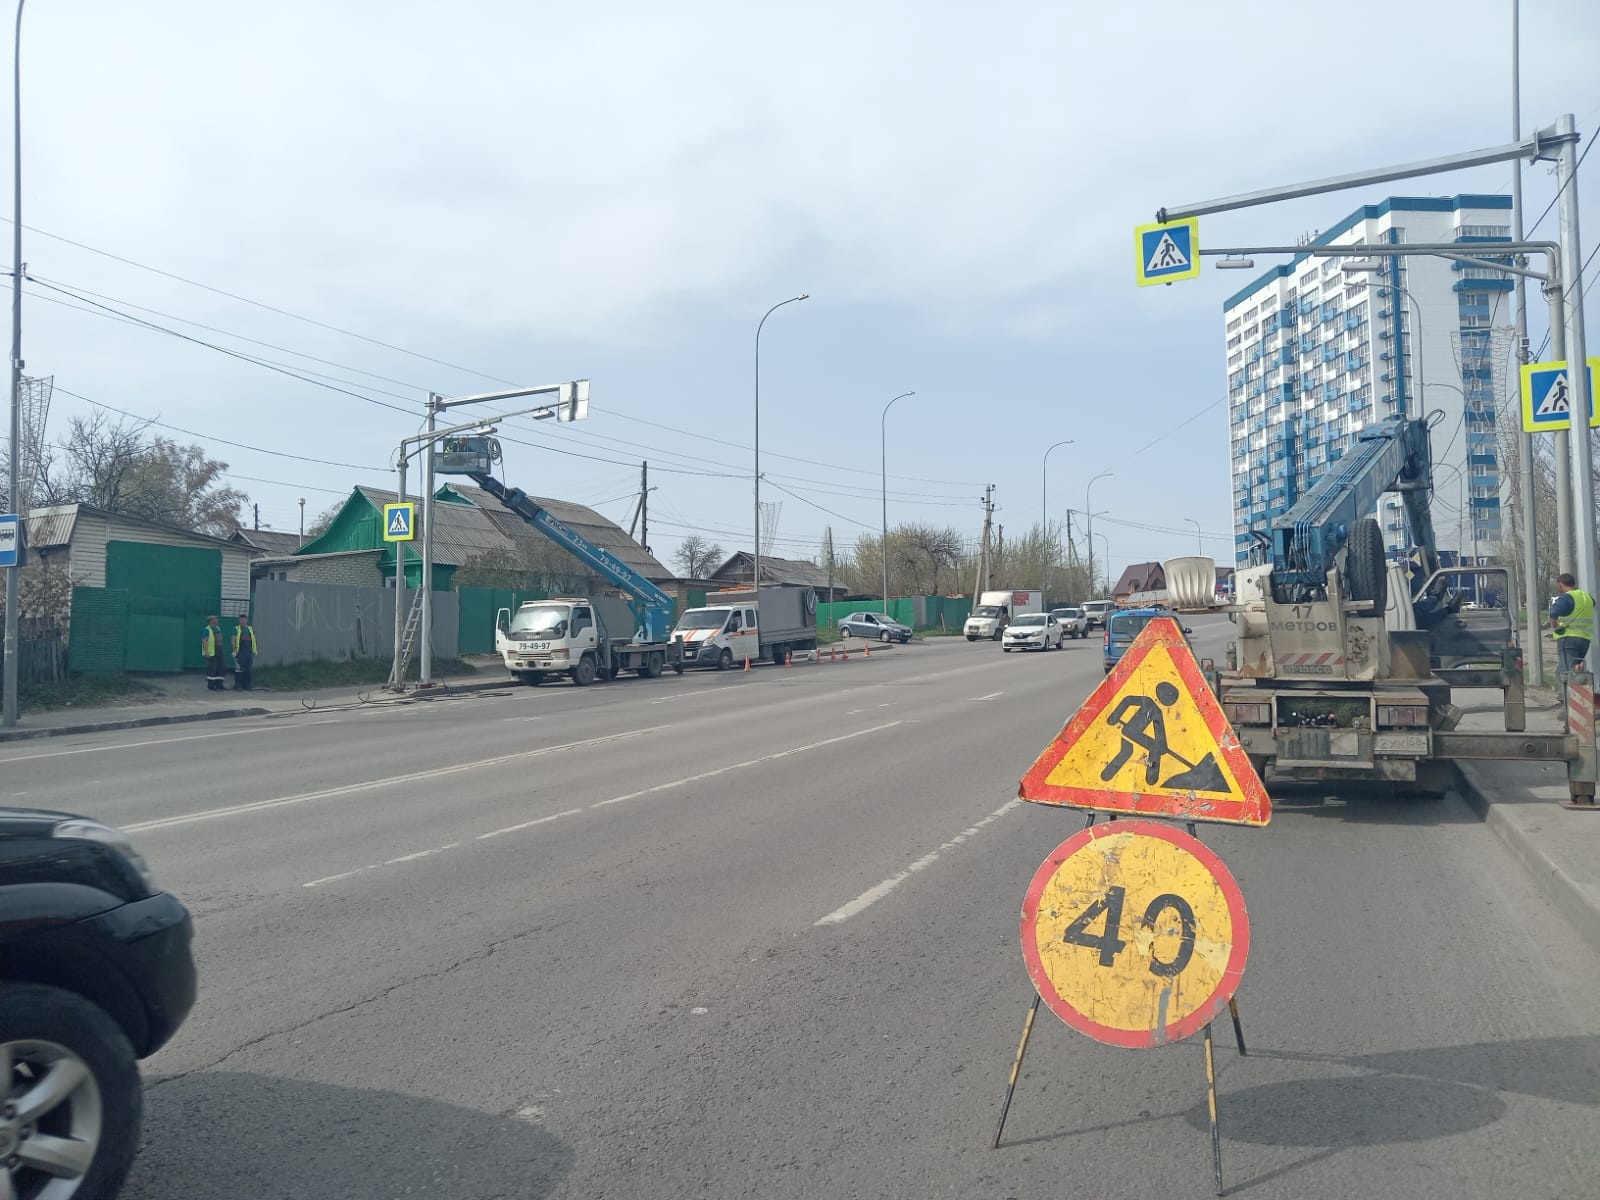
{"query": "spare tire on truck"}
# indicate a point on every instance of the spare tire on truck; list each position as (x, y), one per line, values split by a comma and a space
(1366, 568)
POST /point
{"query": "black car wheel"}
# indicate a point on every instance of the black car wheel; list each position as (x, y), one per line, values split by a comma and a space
(725, 660)
(71, 1108)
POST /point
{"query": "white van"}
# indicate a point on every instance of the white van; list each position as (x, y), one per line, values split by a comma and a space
(995, 610)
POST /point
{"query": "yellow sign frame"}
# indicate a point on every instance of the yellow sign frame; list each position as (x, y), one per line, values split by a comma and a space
(1144, 253)
(1529, 423)
(410, 509)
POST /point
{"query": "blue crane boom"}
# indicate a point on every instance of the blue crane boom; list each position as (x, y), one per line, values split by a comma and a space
(1392, 455)
(652, 608)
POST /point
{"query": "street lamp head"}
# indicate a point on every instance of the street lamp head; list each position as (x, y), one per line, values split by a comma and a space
(803, 296)
(1236, 264)
(1361, 266)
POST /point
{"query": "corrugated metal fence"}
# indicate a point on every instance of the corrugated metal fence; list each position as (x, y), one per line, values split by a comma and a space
(920, 612)
(300, 622)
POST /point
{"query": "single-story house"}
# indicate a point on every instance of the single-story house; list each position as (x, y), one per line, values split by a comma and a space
(267, 541)
(1140, 582)
(350, 568)
(468, 523)
(787, 572)
(101, 549)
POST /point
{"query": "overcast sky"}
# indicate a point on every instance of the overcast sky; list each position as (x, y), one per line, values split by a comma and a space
(531, 192)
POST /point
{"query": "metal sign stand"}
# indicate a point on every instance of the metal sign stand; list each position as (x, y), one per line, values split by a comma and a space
(1211, 1072)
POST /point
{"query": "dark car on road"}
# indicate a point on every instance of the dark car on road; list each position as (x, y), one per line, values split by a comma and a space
(874, 625)
(95, 973)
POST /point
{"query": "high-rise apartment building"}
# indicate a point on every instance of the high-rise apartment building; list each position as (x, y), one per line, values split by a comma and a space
(1317, 351)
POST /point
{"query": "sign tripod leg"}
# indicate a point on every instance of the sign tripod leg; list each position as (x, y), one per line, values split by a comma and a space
(1211, 1104)
(1016, 1069)
(1022, 1046)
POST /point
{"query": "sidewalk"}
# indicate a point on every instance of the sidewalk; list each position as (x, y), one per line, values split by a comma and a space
(184, 699)
(1521, 802)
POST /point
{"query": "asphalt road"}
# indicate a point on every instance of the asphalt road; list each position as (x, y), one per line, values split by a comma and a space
(756, 935)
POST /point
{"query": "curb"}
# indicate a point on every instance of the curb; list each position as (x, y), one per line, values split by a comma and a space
(218, 714)
(1559, 888)
(439, 692)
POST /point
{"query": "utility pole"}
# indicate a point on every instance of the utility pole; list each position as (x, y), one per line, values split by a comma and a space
(644, 505)
(983, 554)
(302, 520)
(1533, 657)
(8, 705)
(256, 508)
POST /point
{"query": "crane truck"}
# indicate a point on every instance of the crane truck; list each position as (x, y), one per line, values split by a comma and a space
(583, 637)
(1343, 667)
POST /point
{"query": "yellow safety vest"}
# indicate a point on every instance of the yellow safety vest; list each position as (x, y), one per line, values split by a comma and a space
(255, 645)
(1579, 623)
(209, 647)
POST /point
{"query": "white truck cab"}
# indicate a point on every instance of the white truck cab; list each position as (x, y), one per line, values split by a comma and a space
(720, 635)
(995, 610)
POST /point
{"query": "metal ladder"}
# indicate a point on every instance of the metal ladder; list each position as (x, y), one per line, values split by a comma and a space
(408, 639)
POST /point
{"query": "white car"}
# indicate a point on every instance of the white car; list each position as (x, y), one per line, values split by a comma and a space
(1033, 631)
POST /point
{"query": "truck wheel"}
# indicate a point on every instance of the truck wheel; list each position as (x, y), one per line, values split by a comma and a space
(653, 665)
(972, 637)
(777, 655)
(583, 674)
(1366, 568)
(725, 660)
(997, 635)
(74, 1084)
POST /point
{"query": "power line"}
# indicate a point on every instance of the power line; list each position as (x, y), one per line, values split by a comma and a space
(321, 462)
(282, 312)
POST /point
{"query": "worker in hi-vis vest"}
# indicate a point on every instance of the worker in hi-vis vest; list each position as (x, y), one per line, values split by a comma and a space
(1572, 618)
(211, 651)
(244, 653)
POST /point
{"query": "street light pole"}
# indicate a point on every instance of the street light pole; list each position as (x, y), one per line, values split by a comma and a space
(8, 709)
(883, 453)
(1044, 515)
(1088, 517)
(1199, 547)
(755, 550)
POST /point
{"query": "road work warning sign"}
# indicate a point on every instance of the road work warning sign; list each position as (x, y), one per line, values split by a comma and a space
(1135, 933)
(1151, 740)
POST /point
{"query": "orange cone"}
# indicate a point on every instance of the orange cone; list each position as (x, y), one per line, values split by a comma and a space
(788, 658)
(833, 654)
(747, 662)
(866, 651)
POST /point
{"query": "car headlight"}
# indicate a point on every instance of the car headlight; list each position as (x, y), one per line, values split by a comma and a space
(106, 835)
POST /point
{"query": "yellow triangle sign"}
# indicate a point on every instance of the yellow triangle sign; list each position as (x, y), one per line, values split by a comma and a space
(1151, 740)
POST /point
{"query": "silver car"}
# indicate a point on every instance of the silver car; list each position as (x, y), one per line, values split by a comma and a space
(874, 625)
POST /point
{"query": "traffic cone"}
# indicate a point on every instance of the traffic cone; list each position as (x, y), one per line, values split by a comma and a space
(788, 658)
(866, 651)
(833, 654)
(746, 662)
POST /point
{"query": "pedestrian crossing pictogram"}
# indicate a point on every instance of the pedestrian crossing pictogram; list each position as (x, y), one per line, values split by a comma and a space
(399, 522)
(1549, 396)
(1167, 251)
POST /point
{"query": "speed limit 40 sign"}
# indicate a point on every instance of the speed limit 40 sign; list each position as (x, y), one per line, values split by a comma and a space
(1135, 933)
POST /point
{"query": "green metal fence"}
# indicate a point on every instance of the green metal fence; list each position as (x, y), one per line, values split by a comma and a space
(475, 633)
(99, 642)
(920, 612)
(170, 591)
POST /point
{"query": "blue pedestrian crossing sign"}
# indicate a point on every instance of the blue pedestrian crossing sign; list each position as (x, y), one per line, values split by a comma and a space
(1167, 251)
(400, 522)
(10, 540)
(1548, 396)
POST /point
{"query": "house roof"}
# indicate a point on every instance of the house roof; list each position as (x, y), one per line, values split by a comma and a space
(1141, 577)
(777, 570)
(271, 541)
(285, 560)
(580, 518)
(53, 526)
(468, 521)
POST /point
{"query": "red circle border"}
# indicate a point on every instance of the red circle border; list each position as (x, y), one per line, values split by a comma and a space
(1227, 985)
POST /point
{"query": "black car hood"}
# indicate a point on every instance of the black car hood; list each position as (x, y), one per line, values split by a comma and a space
(30, 822)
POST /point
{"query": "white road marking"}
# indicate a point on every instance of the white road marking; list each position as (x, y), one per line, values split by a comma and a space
(193, 737)
(232, 810)
(878, 891)
(540, 718)
(572, 812)
(750, 762)
(494, 833)
(990, 696)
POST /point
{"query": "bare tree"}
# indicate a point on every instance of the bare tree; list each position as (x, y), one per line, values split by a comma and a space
(696, 557)
(111, 465)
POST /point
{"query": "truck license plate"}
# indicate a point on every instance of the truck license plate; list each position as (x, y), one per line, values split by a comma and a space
(1400, 743)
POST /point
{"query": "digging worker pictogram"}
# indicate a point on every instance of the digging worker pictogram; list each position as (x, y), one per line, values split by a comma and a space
(1142, 722)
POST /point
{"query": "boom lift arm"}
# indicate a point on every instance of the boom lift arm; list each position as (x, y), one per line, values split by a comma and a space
(1392, 455)
(652, 608)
